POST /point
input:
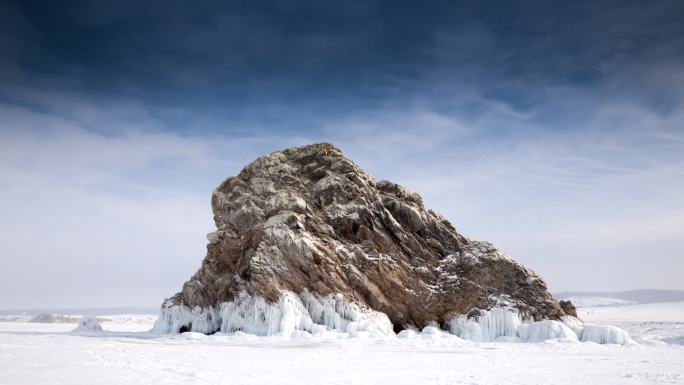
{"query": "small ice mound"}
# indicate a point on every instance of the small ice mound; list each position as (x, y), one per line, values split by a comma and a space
(546, 330)
(88, 324)
(431, 331)
(407, 334)
(193, 336)
(605, 334)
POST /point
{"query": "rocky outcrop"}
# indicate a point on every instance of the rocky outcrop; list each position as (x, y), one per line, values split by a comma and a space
(568, 308)
(306, 225)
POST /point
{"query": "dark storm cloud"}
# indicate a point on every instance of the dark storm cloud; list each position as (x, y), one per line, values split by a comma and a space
(224, 57)
(209, 50)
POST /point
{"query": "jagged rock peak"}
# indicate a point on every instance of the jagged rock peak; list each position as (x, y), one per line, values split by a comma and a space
(307, 225)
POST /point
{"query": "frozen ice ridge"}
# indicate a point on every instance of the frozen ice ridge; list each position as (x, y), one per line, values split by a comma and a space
(605, 334)
(292, 312)
(312, 313)
(505, 324)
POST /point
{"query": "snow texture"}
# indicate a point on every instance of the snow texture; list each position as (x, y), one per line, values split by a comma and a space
(125, 353)
(253, 315)
(88, 324)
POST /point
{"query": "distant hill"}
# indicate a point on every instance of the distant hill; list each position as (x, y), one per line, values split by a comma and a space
(591, 301)
(82, 311)
(631, 296)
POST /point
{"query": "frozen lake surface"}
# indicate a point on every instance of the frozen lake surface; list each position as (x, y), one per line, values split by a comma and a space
(125, 353)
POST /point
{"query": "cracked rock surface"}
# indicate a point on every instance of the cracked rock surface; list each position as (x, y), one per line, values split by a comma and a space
(309, 219)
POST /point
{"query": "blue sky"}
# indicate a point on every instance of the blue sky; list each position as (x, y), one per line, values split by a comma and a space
(553, 130)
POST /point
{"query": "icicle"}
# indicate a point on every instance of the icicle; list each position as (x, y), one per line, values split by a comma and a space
(178, 318)
(505, 324)
(495, 323)
(88, 324)
(312, 313)
(253, 315)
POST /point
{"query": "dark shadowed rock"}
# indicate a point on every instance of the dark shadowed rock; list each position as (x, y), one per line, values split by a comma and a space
(568, 308)
(309, 219)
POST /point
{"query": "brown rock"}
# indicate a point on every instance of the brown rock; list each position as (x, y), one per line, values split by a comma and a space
(307, 218)
(568, 308)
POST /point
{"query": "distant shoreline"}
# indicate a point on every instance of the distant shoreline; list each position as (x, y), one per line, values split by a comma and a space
(641, 296)
(83, 311)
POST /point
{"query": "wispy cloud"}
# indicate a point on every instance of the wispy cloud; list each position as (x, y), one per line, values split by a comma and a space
(81, 207)
(554, 131)
(601, 196)
(103, 218)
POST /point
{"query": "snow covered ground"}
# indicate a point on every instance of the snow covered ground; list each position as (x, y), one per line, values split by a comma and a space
(32, 353)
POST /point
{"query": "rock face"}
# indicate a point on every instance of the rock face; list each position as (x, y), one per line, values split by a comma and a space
(309, 221)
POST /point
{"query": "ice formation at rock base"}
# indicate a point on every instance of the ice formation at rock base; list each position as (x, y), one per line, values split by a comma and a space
(312, 313)
(252, 314)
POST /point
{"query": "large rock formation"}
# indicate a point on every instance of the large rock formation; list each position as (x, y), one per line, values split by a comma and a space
(307, 240)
